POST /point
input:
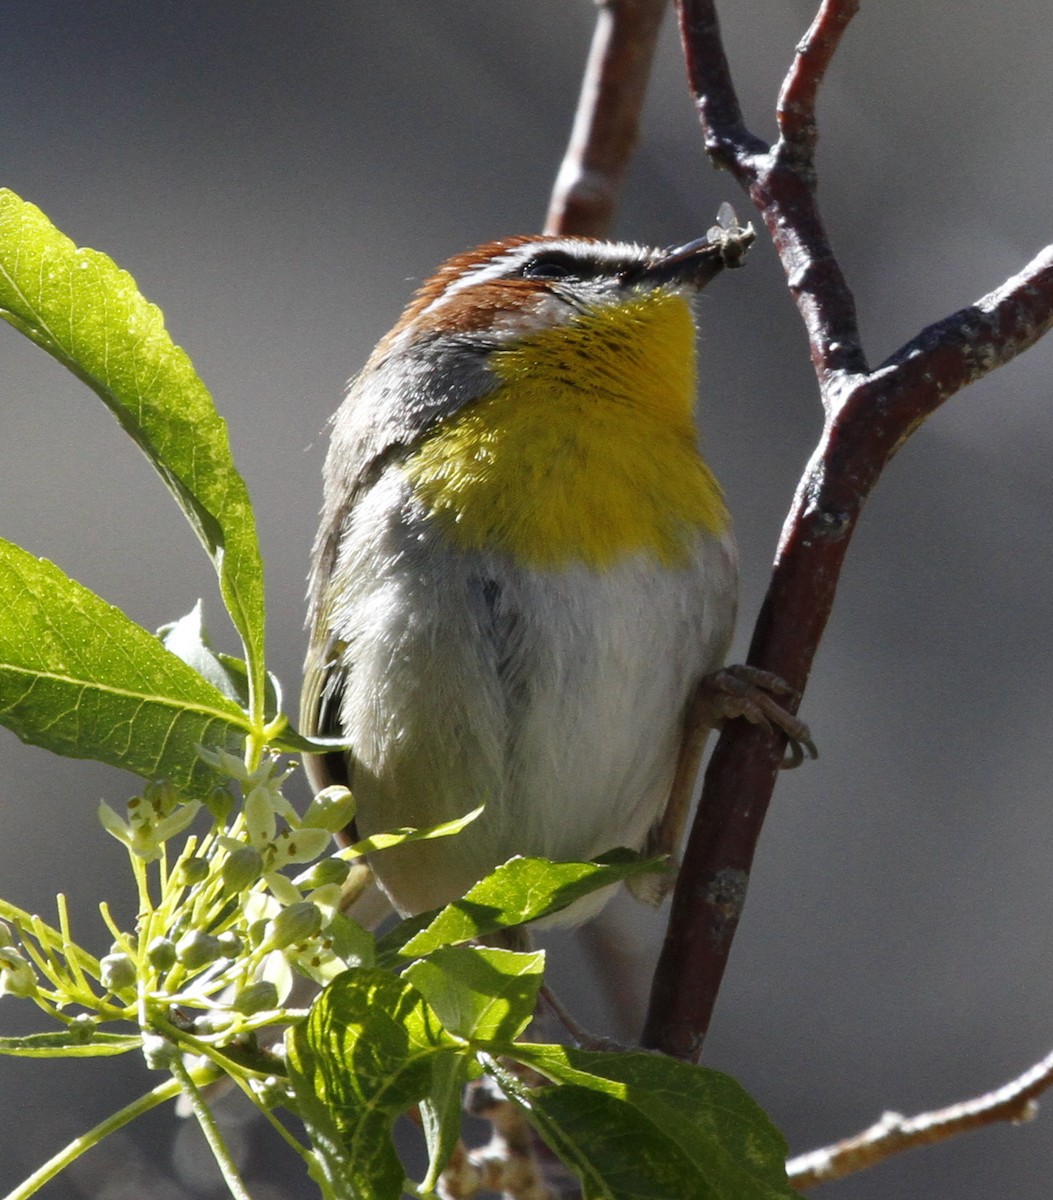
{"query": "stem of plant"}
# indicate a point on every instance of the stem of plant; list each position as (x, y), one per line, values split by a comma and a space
(71, 1152)
(222, 1155)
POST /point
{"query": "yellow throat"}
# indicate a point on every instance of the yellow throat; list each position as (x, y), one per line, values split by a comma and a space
(586, 452)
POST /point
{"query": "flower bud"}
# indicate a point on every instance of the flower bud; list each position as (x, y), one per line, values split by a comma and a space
(158, 1052)
(272, 1091)
(242, 869)
(327, 871)
(331, 809)
(82, 1028)
(193, 870)
(219, 803)
(17, 977)
(6, 936)
(196, 950)
(161, 953)
(213, 1021)
(294, 924)
(256, 997)
(231, 943)
(117, 972)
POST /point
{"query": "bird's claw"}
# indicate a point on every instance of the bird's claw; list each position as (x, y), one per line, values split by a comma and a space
(749, 692)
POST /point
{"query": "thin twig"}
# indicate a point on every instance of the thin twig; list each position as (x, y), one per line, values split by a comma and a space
(606, 125)
(719, 854)
(795, 109)
(780, 180)
(728, 142)
(1014, 1101)
(869, 416)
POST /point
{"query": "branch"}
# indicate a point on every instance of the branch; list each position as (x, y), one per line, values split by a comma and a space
(795, 109)
(728, 142)
(962, 348)
(869, 416)
(606, 125)
(1014, 1101)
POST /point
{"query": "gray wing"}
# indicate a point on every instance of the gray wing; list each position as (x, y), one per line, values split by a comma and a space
(400, 395)
(358, 452)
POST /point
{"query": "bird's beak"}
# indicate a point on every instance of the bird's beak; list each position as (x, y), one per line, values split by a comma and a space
(696, 262)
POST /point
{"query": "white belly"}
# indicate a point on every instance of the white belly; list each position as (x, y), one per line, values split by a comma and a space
(555, 698)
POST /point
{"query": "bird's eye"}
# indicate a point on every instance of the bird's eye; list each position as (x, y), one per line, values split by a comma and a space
(552, 265)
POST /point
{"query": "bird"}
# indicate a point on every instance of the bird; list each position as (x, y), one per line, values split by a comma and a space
(525, 569)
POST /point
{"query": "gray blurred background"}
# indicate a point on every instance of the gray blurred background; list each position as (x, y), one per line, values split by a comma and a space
(277, 178)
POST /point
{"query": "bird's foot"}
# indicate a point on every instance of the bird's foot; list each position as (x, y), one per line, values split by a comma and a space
(743, 691)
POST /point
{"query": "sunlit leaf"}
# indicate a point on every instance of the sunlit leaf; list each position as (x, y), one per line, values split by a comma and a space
(73, 1043)
(480, 993)
(88, 314)
(521, 890)
(79, 678)
(369, 1049)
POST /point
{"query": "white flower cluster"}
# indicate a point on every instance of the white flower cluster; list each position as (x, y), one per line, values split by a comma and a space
(224, 925)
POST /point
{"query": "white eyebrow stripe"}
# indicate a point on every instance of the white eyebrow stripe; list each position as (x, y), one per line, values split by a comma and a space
(496, 268)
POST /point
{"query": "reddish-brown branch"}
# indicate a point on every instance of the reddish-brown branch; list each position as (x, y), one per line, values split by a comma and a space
(869, 417)
(780, 180)
(728, 142)
(786, 199)
(968, 344)
(796, 106)
(606, 125)
(1014, 1101)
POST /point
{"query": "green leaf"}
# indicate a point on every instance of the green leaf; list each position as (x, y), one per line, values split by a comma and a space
(441, 1111)
(371, 1047)
(521, 890)
(292, 742)
(88, 314)
(187, 640)
(398, 837)
(329, 1164)
(352, 943)
(73, 1043)
(642, 1125)
(481, 994)
(79, 678)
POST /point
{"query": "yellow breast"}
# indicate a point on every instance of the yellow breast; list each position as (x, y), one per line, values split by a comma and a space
(586, 452)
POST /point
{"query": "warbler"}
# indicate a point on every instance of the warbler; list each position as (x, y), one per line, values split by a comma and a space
(525, 566)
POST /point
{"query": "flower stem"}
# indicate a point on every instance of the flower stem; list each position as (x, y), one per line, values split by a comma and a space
(73, 1151)
(210, 1129)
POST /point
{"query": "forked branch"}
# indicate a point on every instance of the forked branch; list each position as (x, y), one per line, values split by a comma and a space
(869, 416)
